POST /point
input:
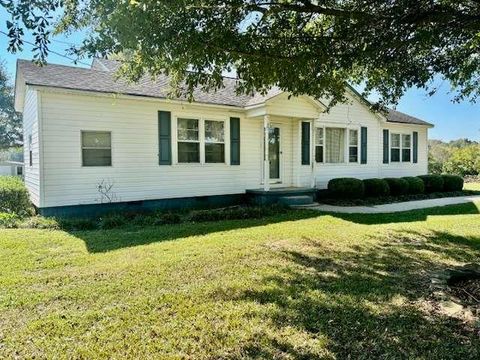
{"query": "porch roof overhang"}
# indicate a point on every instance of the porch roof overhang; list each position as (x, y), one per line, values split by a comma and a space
(301, 107)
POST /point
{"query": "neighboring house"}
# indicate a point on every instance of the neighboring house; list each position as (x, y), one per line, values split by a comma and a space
(12, 164)
(83, 128)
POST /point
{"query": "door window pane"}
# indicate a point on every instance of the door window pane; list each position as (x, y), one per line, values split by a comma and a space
(96, 148)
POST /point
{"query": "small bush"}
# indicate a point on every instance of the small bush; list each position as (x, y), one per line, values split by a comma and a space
(376, 187)
(452, 183)
(415, 185)
(14, 196)
(78, 224)
(112, 221)
(398, 186)
(168, 218)
(433, 183)
(236, 213)
(40, 222)
(9, 220)
(346, 188)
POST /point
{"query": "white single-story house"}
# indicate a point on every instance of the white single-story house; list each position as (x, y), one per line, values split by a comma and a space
(93, 141)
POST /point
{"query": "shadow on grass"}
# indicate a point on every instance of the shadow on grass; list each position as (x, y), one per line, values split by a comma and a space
(99, 241)
(409, 216)
(370, 301)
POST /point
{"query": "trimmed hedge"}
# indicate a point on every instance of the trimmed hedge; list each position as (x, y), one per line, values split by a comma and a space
(415, 185)
(398, 186)
(376, 187)
(14, 196)
(433, 183)
(452, 183)
(347, 188)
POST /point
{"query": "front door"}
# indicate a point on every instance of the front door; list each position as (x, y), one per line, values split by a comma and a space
(274, 153)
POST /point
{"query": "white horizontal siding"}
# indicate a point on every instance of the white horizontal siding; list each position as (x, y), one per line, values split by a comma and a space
(31, 128)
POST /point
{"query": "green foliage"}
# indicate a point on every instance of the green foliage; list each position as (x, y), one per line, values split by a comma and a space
(10, 120)
(236, 213)
(464, 161)
(77, 224)
(304, 47)
(8, 220)
(14, 196)
(376, 187)
(346, 188)
(398, 186)
(39, 222)
(111, 221)
(433, 183)
(415, 185)
(452, 183)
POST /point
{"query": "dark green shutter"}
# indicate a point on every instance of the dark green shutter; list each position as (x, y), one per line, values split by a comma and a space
(385, 146)
(363, 144)
(305, 143)
(164, 138)
(415, 147)
(234, 141)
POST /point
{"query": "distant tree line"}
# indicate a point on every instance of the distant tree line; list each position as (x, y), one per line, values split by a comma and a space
(459, 157)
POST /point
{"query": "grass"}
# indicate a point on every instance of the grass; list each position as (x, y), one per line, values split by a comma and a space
(300, 285)
(472, 186)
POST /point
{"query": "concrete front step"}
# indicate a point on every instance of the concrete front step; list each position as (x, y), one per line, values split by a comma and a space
(296, 200)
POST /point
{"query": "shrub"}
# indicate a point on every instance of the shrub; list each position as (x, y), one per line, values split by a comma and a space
(346, 188)
(433, 183)
(398, 186)
(168, 218)
(236, 213)
(75, 224)
(415, 185)
(8, 220)
(376, 187)
(40, 222)
(14, 196)
(452, 183)
(112, 221)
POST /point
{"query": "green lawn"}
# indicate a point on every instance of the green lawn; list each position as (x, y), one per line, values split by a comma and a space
(303, 285)
(472, 186)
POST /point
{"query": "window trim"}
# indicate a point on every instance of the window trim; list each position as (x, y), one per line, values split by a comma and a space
(201, 136)
(111, 149)
(400, 147)
(346, 145)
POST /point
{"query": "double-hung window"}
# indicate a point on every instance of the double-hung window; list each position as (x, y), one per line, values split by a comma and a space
(96, 148)
(395, 148)
(214, 141)
(353, 145)
(319, 141)
(334, 145)
(188, 140)
(400, 148)
(200, 140)
(406, 147)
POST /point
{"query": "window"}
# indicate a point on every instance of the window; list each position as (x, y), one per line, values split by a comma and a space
(319, 144)
(334, 145)
(400, 148)
(406, 147)
(188, 141)
(395, 148)
(96, 148)
(353, 146)
(19, 170)
(214, 141)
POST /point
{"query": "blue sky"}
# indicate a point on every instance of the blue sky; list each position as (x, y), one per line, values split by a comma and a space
(452, 120)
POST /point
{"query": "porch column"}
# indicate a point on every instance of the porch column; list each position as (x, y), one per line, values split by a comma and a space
(312, 155)
(266, 162)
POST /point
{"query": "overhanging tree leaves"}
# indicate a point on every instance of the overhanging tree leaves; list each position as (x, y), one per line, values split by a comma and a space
(303, 46)
(10, 120)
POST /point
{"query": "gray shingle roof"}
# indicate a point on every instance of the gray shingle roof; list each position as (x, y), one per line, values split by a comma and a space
(101, 78)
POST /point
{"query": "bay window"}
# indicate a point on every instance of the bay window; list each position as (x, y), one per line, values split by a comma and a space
(353, 146)
(188, 140)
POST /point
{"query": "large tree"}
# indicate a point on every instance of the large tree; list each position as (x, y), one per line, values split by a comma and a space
(303, 46)
(10, 120)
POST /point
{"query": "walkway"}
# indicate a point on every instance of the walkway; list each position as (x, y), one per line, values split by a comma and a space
(395, 207)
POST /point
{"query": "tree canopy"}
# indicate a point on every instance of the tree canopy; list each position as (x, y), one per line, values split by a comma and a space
(10, 120)
(308, 47)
